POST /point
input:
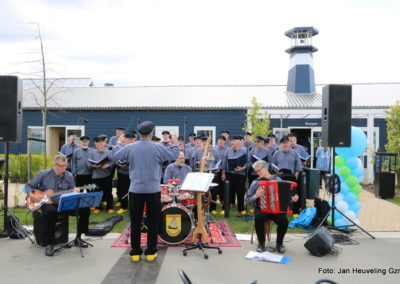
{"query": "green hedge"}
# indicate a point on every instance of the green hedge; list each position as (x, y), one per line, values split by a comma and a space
(18, 166)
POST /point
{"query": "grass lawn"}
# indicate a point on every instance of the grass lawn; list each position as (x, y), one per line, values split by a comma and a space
(238, 223)
(395, 200)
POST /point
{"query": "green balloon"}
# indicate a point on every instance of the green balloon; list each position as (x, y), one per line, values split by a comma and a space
(357, 189)
(351, 180)
(344, 171)
(329, 220)
(340, 161)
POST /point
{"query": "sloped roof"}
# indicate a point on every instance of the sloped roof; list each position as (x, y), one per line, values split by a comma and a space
(203, 97)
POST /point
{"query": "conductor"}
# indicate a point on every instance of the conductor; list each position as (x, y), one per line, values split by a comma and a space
(145, 159)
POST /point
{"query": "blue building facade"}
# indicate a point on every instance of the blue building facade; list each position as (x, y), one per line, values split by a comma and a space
(95, 122)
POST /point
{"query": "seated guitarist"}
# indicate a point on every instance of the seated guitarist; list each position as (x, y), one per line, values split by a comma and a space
(56, 179)
(254, 193)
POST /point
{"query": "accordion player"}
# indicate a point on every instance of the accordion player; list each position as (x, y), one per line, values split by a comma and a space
(271, 198)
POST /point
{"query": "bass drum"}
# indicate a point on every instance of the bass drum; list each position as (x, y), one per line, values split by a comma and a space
(176, 224)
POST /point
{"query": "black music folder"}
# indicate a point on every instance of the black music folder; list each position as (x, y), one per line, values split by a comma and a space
(236, 162)
(255, 159)
(102, 161)
(62, 154)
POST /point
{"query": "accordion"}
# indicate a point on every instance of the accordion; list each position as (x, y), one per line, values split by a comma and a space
(276, 196)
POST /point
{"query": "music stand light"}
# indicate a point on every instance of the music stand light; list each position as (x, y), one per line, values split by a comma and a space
(74, 202)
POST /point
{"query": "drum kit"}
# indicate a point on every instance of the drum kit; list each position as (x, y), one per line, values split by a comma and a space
(178, 218)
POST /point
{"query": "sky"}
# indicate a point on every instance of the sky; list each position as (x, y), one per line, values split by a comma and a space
(205, 42)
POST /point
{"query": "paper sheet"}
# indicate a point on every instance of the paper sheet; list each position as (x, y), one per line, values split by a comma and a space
(197, 182)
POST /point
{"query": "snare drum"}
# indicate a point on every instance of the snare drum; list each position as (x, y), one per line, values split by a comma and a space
(176, 224)
(187, 198)
(165, 194)
(174, 181)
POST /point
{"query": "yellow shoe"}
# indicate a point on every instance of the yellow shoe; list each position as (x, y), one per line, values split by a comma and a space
(104, 203)
(120, 211)
(243, 212)
(110, 211)
(222, 212)
(214, 212)
(135, 257)
(96, 211)
(118, 204)
(295, 215)
(151, 257)
(251, 210)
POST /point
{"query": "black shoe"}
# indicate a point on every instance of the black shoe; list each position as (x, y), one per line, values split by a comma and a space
(49, 250)
(82, 243)
(280, 248)
(261, 247)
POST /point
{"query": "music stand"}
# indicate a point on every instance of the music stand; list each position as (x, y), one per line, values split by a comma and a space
(73, 202)
(199, 183)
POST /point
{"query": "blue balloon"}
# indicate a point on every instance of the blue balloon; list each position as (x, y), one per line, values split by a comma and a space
(355, 207)
(358, 172)
(344, 188)
(358, 144)
(350, 198)
(340, 222)
(353, 162)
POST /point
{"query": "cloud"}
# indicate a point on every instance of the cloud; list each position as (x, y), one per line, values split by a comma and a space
(203, 42)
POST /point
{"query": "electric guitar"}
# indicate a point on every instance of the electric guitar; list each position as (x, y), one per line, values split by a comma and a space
(37, 198)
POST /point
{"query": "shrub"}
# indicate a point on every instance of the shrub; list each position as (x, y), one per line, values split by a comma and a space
(18, 166)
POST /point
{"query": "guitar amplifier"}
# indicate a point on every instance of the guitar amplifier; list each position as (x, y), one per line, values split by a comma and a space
(61, 229)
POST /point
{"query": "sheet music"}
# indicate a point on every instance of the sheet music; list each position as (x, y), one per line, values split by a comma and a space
(216, 166)
(197, 182)
(264, 256)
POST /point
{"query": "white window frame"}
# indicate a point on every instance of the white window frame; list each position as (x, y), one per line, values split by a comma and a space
(28, 136)
(207, 128)
(173, 129)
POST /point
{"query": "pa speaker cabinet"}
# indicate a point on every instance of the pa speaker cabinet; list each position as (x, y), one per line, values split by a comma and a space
(10, 109)
(60, 232)
(320, 243)
(336, 115)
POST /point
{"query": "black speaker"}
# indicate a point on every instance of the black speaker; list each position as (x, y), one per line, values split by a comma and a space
(61, 230)
(385, 184)
(320, 243)
(10, 109)
(336, 116)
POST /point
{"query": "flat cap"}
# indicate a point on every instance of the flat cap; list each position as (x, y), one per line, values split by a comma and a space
(84, 137)
(146, 127)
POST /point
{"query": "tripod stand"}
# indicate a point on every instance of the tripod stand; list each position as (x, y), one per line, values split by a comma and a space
(14, 224)
(334, 188)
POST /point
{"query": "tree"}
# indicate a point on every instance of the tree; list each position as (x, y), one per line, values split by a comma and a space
(257, 120)
(43, 88)
(393, 133)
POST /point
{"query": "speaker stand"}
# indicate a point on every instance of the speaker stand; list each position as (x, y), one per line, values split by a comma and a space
(334, 188)
(5, 209)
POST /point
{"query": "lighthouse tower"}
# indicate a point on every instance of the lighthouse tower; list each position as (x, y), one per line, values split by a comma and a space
(301, 70)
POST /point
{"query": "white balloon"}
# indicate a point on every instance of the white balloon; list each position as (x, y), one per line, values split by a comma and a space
(350, 214)
(342, 206)
(338, 198)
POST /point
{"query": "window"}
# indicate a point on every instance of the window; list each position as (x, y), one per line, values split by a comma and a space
(206, 131)
(35, 134)
(172, 129)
